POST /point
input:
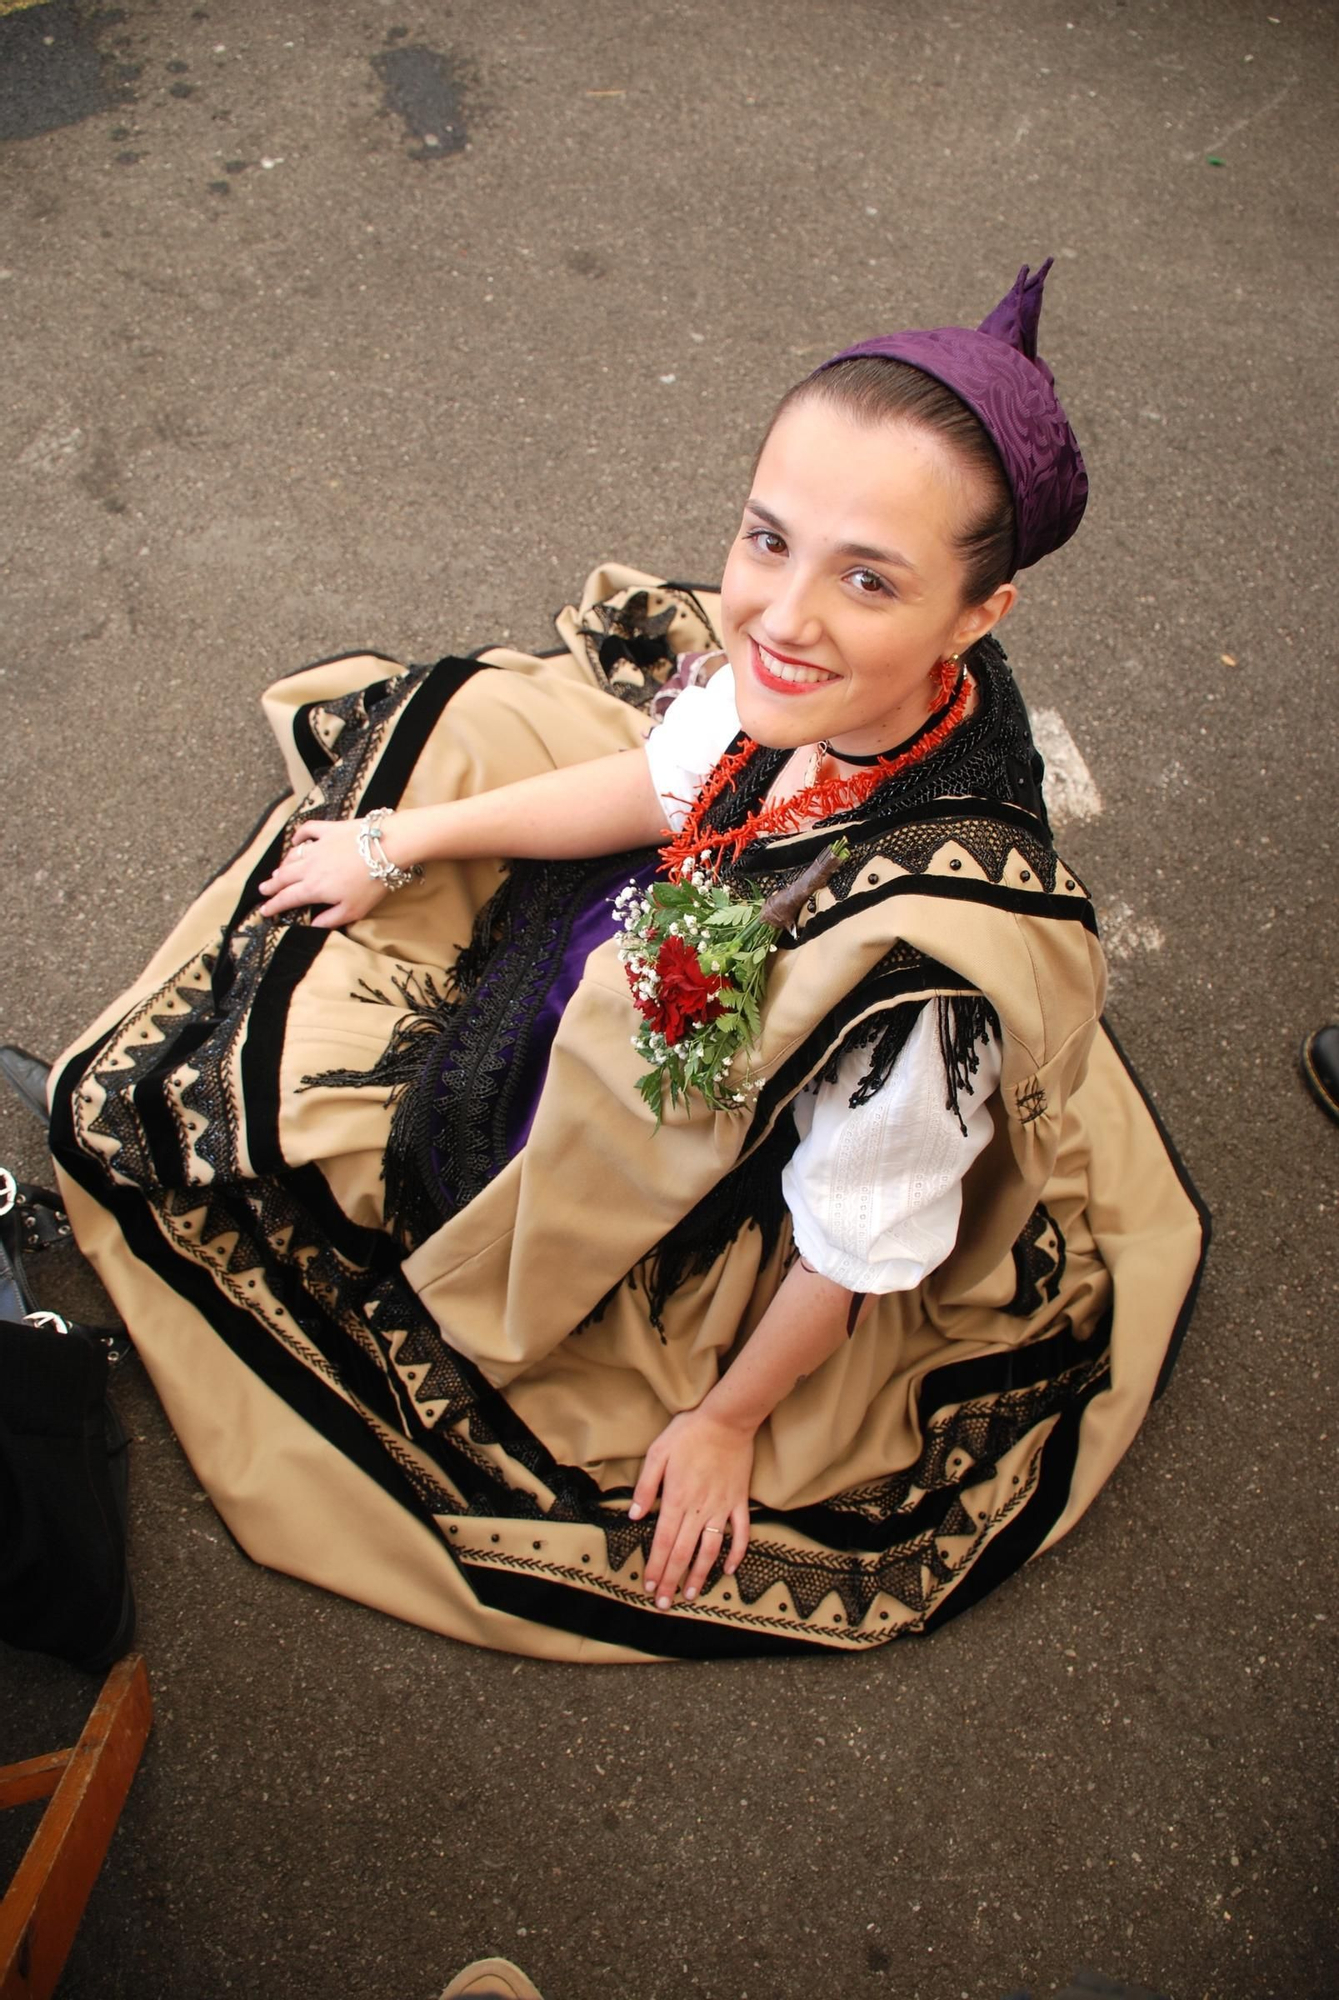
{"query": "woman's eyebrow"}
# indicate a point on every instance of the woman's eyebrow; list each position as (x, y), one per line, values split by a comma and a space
(859, 551)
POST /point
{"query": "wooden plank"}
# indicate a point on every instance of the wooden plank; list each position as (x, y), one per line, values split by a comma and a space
(41, 1912)
(35, 1778)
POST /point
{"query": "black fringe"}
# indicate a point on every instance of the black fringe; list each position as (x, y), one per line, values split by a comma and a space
(749, 1196)
(965, 1021)
(885, 1035)
(410, 1209)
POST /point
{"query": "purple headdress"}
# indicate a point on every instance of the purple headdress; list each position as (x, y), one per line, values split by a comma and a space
(996, 371)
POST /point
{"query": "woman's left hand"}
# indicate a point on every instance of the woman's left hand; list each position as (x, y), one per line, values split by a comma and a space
(701, 1469)
(323, 867)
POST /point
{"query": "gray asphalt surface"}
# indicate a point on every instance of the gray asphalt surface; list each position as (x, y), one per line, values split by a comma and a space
(282, 378)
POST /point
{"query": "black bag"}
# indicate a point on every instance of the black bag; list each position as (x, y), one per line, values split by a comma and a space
(64, 1584)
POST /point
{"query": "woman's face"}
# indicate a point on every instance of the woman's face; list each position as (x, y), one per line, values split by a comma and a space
(843, 587)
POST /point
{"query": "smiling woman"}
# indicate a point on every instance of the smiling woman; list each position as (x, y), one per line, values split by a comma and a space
(774, 1260)
(845, 587)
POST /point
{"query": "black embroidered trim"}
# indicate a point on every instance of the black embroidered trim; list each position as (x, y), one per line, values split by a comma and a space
(323, 730)
(633, 650)
(882, 1537)
(456, 1064)
(1039, 1261)
(478, 1069)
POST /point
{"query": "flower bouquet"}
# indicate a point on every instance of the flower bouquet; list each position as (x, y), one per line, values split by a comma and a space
(696, 959)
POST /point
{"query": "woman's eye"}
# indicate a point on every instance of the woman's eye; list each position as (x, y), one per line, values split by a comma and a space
(767, 541)
(869, 583)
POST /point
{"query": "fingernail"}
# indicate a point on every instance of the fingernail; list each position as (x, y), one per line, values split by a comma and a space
(634, 1512)
(662, 1604)
(650, 1587)
(691, 1590)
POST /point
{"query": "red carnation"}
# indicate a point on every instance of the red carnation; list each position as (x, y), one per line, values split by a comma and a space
(686, 995)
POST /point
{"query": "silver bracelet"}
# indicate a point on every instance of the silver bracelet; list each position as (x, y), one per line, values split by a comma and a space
(379, 864)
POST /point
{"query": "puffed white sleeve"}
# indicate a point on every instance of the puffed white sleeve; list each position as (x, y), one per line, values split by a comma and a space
(875, 1190)
(699, 724)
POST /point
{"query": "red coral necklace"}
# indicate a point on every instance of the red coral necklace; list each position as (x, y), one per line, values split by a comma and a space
(953, 692)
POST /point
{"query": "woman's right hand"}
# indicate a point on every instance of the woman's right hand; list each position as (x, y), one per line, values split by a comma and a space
(323, 866)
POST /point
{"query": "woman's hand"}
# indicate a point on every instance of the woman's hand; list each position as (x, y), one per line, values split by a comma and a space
(323, 865)
(701, 1469)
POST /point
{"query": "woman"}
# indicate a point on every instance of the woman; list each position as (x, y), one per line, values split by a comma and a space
(446, 1316)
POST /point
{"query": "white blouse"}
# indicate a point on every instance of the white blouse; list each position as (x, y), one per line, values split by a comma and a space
(874, 1191)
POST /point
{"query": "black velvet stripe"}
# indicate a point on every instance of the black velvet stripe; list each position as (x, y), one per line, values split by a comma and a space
(266, 863)
(1013, 1368)
(159, 1126)
(60, 1132)
(306, 1394)
(262, 1047)
(413, 726)
(1193, 1196)
(1019, 902)
(1019, 1541)
(986, 1375)
(853, 1534)
(569, 1609)
(238, 852)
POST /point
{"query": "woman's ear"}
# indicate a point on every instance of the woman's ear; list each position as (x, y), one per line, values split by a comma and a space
(978, 619)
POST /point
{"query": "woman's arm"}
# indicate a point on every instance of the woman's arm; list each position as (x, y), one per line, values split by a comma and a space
(599, 807)
(702, 1461)
(875, 1195)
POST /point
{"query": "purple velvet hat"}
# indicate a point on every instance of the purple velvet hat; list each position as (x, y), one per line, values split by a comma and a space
(997, 372)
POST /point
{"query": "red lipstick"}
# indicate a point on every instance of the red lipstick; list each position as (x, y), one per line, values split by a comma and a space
(774, 682)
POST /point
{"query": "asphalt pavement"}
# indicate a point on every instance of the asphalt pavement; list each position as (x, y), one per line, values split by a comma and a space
(332, 324)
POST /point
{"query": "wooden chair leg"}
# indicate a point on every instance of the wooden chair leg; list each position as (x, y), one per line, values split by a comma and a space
(87, 1787)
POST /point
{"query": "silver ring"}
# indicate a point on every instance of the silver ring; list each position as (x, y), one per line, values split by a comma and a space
(709, 1529)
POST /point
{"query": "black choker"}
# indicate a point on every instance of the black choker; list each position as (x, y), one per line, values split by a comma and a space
(931, 721)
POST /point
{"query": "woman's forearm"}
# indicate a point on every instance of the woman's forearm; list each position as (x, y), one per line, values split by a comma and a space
(599, 807)
(804, 1324)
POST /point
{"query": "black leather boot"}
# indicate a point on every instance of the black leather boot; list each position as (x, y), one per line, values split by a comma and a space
(1320, 1068)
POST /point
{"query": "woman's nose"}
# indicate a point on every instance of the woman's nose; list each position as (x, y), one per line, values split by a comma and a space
(791, 618)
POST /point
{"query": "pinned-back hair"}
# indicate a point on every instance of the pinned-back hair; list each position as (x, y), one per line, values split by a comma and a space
(873, 391)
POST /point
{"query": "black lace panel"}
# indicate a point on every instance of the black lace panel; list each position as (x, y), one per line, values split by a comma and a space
(1039, 1261)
